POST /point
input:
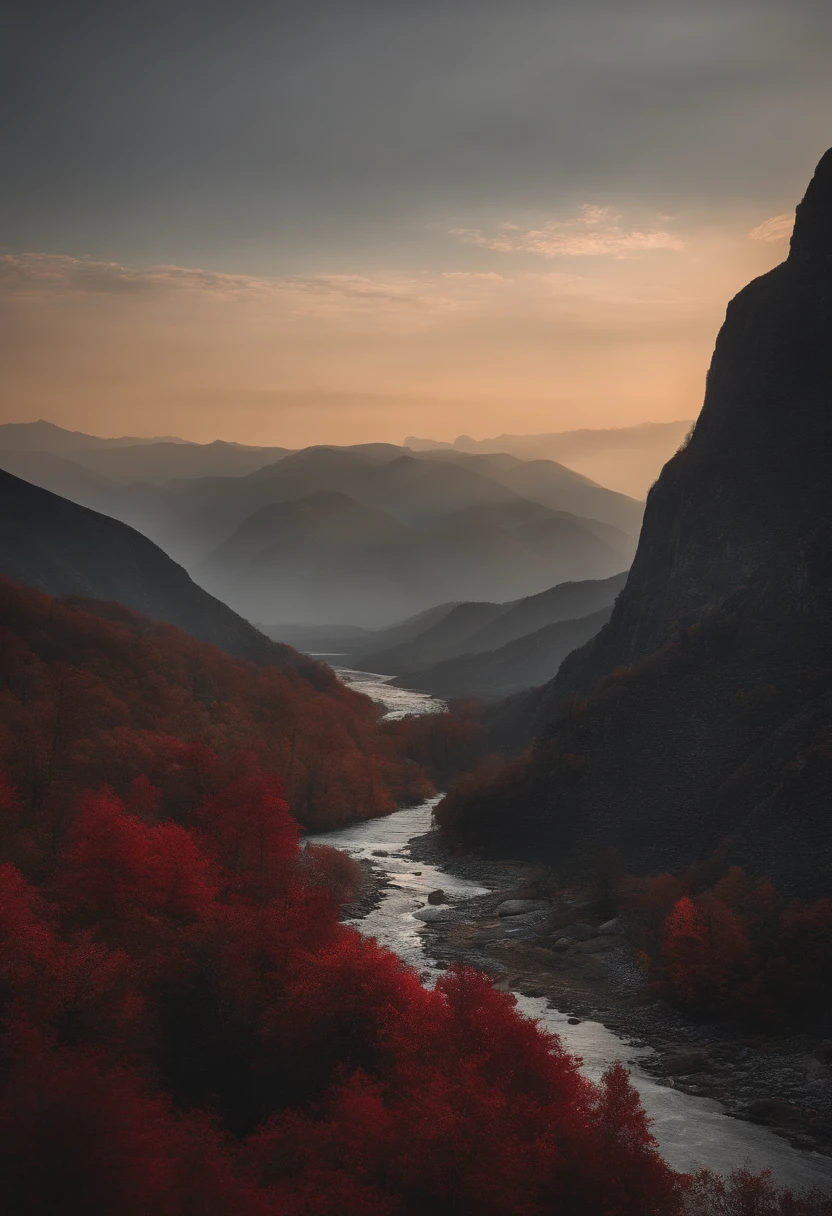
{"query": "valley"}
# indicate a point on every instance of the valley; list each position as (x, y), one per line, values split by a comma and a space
(595, 1003)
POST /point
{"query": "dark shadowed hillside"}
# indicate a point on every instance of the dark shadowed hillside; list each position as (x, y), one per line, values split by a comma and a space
(65, 549)
(473, 628)
(700, 718)
(527, 660)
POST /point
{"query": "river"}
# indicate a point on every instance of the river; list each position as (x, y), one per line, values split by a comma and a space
(691, 1131)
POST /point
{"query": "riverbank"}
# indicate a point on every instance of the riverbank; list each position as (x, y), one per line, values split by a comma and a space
(560, 950)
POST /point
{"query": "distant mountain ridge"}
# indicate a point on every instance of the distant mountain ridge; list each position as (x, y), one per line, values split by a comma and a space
(43, 436)
(409, 530)
(332, 549)
(627, 459)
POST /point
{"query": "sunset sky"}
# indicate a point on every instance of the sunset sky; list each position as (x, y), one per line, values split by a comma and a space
(341, 221)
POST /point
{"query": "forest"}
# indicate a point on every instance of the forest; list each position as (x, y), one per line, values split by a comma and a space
(188, 1026)
(734, 948)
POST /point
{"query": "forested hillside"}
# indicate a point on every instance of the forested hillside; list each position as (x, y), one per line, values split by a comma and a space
(95, 693)
(188, 1027)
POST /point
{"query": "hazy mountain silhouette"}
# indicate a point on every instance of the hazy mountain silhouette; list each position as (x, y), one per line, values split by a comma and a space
(710, 690)
(625, 458)
(43, 436)
(62, 476)
(158, 463)
(306, 556)
(66, 549)
(474, 628)
(527, 660)
(455, 527)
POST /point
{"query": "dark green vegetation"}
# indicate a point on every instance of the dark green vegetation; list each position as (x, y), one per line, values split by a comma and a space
(699, 720)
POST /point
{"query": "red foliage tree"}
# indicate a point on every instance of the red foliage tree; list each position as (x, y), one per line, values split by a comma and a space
(188, 1029)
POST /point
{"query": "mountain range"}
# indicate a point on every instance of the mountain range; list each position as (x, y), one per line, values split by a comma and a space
(697, 724)
(363, 534)
(626, 458)
(473, 649)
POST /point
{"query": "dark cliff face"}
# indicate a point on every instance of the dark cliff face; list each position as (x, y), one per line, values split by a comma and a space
(65, 549)
(754, 475)
(712, 728)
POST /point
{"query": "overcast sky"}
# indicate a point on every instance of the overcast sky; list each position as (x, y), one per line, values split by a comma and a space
(376, 218)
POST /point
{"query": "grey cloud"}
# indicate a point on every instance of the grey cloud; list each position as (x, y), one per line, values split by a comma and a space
(281, 132)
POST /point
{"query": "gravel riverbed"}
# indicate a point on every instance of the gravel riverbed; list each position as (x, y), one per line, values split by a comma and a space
(558, 951)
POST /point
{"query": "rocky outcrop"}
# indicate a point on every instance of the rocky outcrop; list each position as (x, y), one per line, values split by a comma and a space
(699, 720)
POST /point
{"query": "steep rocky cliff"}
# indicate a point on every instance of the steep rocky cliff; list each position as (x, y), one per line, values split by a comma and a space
(700, 718)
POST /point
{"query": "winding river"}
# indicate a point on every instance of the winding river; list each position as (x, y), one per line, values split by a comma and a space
(691, 1131)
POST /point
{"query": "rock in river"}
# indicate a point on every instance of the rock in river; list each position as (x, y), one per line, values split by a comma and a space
(429, 915)
(516, 907)
(683, 1062)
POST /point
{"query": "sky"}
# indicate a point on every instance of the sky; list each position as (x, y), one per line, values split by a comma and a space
(348, 221)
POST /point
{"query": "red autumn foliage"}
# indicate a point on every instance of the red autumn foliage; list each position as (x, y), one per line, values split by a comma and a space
(88, 699)
(188, 1029)
(734, 949)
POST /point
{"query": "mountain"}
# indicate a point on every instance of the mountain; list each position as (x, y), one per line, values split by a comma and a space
(329, 555)
(698, 721)
(412, 489)
(157, 463)
(45, 436)
(65, 549)
(406, 533)
(627, 459)
(442, 638)
(473, 628)
(349, 642)
(527, 660)
(62, 476)
(553, 485)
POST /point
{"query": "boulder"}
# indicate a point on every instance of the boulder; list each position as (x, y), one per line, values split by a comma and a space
(437, 897)
(611, 927)
(516, 907)
(596, 945)
(773, 1111)
(526, 918)
(380, 853)
(574, 1021)
(681, 1063)
(430, 915)
(579, 933)
(563, 943)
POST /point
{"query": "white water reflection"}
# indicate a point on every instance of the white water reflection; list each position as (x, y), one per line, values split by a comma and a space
(399, 702)
(691, 1132)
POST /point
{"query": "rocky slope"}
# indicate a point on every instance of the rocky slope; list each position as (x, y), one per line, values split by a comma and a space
(700, 718)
